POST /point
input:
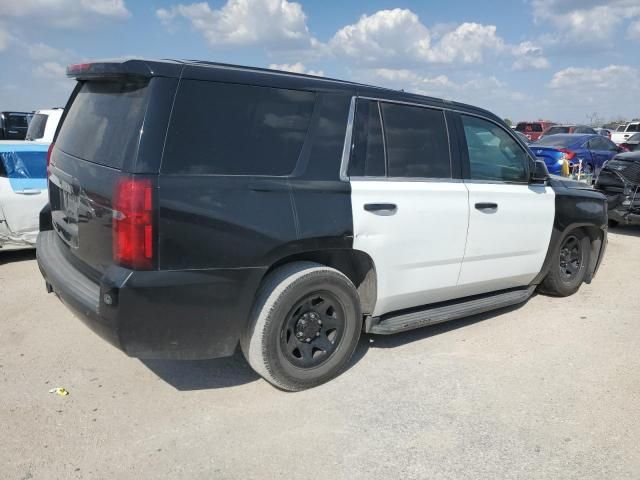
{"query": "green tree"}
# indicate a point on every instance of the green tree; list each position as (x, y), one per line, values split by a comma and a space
(508, 121)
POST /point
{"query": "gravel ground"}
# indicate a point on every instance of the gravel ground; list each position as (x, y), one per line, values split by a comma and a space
(547, 390)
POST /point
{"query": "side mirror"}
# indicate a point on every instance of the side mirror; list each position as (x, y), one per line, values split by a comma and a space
(539, 172)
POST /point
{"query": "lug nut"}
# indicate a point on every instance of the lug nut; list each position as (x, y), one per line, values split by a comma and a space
(308, 340)
(317, 334)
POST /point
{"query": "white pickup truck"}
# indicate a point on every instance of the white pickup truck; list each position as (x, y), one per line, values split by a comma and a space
(623, 132)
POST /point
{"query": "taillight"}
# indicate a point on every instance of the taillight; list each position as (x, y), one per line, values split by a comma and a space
(133, 235)
(567, 154)
(624, 147)
(49, 156)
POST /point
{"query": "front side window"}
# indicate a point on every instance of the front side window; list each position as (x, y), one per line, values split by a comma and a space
(416, 140)
(493, 154)
(232, 129)
(367, 157)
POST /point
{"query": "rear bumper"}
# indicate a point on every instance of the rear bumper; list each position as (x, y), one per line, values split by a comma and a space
(155, 314)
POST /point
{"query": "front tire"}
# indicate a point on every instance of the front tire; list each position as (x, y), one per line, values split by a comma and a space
(304, 327)
(569, 266)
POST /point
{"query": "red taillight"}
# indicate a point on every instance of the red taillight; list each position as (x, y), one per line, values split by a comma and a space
(624, 147)
(78, 68)
(133, 235)
(568, 154)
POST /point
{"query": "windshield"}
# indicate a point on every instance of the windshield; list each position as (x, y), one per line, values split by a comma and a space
(556, 130)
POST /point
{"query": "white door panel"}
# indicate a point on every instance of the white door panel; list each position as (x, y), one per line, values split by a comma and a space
(418, 250)
(506, 247)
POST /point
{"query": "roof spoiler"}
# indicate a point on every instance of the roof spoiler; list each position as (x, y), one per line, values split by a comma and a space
(121, 68)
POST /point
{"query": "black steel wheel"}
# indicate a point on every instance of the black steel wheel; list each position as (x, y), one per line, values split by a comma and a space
(569, 266)
(305, 325)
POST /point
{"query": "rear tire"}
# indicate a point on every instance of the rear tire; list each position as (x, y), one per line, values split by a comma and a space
(613, 223)
(304, 327)
(569, 266)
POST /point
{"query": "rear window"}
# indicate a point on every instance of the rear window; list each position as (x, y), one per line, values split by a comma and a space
(228, 129)
(557, 130)
(555, 141)
(37, 126)
(104, 122)
(17, 121)
(529, 127)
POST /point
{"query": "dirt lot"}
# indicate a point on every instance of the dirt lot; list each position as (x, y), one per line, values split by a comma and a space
(548, 390)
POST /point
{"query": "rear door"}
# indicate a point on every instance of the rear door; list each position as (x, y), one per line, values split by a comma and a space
(510, 220)
(409, 214)
(99, 139)
(602, 150)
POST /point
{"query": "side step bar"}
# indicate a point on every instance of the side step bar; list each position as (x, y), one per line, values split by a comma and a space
(389, 324)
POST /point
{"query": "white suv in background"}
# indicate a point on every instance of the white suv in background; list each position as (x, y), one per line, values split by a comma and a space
(623, 132)
(43, 125)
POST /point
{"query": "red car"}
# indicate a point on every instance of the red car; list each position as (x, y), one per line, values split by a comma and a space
(533, 130)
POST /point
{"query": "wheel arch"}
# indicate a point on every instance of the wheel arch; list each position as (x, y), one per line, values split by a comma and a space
(356, 265)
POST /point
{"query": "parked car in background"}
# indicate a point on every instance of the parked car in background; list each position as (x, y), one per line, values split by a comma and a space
(14, 125)
(556, 129)
(605, 132)
(624, 132)
(533, 130)
(632, 143)
(23, 192)
(619, 180)
(563, 152)
(287, 213)
(43, 125)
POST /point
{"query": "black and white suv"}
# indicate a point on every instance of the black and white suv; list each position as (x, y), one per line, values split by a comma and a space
(198, 206)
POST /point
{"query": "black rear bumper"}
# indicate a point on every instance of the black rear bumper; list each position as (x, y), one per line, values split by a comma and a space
(155, 314)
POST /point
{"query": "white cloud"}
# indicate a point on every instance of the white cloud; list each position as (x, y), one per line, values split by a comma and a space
(611, 78)
(586, 21)
(393, 37)
(64, 13)
(634, 30)
(295, 68)
(52, 70)
(271, 23)
(5, 38)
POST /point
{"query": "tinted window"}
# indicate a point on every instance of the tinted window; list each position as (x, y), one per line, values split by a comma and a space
(368, 149)
(559, 140)
(416, 141)
(17, 121)
(621, 128)
(599, 143)
(529, 127)
(633, 128)
(104, 122)
(493, 153)
(228, 129)
(36, 127)
(587, 130)
(557, 130)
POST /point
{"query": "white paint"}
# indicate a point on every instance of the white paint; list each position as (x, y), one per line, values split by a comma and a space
(19, 216)
(418, 250)
(506, 248)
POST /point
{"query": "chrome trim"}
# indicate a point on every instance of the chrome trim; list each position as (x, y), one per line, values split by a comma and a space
(346, 148)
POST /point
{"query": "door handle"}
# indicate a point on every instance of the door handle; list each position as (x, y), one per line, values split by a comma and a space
(29, 191)
(381, 208)
(486, 206)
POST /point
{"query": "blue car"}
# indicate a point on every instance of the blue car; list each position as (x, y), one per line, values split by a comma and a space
(592, 150)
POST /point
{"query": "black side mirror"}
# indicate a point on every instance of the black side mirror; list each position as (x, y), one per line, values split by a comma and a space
(539, 172)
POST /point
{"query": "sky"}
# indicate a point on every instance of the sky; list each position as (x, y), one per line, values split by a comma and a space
(562, 60)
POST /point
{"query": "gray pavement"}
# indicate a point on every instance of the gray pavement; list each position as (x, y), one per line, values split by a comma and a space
(547, 390)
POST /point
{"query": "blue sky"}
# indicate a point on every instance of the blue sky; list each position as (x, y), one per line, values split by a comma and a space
(563, 60)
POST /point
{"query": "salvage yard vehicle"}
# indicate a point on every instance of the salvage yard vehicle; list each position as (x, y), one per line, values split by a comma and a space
(43, 125)
(533, 130)
(624, 132)
(556, 129)
(564, 152)
(632, 143)
(23, 193)
(13, 125)
(288, 213)
(620, 182)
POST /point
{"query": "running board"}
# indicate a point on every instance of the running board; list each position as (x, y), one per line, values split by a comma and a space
(437, 314)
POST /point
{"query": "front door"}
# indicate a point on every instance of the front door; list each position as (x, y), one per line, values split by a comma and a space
(409, 215)
(510, 220)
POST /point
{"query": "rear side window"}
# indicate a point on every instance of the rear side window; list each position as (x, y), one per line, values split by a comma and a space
(37, 126)
(104, 122)
(229, 129)
(367, 158)
(416, 142)
(633, 128)
(493, 154)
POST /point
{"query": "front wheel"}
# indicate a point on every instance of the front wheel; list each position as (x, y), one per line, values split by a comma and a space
(305, 326)
(569, 266)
